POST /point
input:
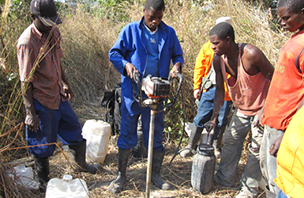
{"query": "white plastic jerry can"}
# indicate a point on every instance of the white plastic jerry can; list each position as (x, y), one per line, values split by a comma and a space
(97, 134)
(67, 187)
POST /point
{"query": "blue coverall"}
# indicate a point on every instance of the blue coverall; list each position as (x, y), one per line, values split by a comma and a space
(130, 47)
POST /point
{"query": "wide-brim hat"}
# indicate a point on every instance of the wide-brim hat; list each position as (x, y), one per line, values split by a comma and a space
(223, 19)
(46, 12)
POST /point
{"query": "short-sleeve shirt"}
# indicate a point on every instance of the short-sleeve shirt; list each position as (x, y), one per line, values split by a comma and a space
(39, 63)
(286, 89)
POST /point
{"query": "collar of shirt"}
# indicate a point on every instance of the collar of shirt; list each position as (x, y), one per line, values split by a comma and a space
(36, 31)
(150, 30)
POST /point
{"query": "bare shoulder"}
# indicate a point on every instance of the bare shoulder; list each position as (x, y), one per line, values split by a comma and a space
(217, 62)
(216, 58)
(254, 60)
(251, 52)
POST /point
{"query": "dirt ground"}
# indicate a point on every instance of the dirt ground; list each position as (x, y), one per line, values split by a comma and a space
(178, 173)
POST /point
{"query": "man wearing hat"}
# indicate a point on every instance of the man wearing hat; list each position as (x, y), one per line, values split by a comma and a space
(205, 95)
(46, 92)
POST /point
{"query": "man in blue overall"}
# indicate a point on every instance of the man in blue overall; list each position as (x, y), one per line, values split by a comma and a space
(147, 46)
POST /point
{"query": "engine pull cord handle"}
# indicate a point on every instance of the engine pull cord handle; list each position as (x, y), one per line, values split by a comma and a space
(137, 96)
(137, 81)
(180, 77)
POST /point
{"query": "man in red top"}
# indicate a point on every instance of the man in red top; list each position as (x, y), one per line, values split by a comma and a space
(286, 91)
(46, 92)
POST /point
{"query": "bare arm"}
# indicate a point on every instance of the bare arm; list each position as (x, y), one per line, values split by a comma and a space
(219, 93)
(31, 118)
(66, 86)
(254, 61)
(276, 144)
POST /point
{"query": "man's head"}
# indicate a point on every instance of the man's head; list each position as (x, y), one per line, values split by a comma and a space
(155, 5)
(153, 13)
(44, 14)
(221, 36)
(291, 13)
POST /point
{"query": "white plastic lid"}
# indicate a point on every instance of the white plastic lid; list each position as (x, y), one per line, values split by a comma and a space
(67, 178)
(100, 121)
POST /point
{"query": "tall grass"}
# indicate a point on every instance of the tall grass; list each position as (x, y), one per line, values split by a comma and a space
(85, 46)
(10, 103)
(87, 38)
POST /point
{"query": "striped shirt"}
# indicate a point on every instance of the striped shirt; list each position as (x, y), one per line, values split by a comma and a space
(43, 60)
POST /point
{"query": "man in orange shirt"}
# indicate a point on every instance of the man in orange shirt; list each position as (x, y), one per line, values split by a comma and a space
(286, 91)
(204, 68)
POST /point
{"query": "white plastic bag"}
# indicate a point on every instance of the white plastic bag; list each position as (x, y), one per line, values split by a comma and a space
(23, 176)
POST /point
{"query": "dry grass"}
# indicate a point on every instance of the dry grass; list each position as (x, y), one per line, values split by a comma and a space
(87, 40)
(86, 55)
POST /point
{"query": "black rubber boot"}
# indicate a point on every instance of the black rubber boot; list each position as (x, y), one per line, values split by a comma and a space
(140, 151)
(117, 185)
(217, 140)
(77, 156)
(43, 170)
(156, 179)
(194, 138)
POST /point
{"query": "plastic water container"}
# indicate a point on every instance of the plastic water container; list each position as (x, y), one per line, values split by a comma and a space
(67, 187)
(97, 134)
(203, 166)
(23, 176)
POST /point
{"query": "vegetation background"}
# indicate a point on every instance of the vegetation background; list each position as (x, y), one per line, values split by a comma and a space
(89, 30)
